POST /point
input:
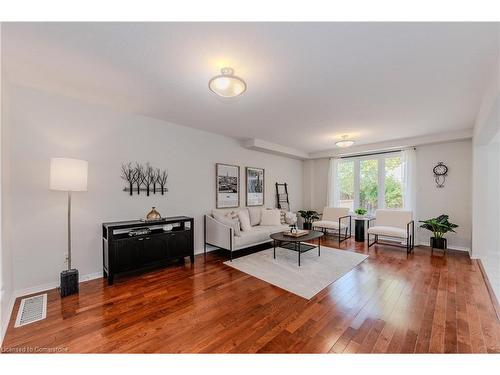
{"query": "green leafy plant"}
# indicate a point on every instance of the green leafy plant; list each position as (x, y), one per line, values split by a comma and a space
(439, 226)
(360, 211)
(309, 216)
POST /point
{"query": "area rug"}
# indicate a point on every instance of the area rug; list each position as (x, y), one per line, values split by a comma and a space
(314, 274)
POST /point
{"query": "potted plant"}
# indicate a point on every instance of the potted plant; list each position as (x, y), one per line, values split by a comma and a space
(309, 216)
(439, 226)
(360, 211)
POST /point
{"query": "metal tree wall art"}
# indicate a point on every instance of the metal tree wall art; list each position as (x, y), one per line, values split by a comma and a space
(144, 178)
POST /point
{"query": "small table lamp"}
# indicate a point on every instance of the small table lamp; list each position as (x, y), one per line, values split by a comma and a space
(68, 175)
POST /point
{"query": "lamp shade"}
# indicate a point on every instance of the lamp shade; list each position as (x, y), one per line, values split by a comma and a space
(68, 174)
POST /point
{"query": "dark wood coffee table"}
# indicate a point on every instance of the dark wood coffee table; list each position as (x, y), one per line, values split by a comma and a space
(295, 243)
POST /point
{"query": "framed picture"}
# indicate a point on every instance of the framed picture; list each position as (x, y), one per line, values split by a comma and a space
(255, 186)
(227, 179)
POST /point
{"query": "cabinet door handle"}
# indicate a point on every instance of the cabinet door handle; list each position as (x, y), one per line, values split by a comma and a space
(148, 238)
(140, 239)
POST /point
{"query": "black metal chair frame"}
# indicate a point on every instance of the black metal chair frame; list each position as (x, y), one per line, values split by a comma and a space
(341, 238)
(410, 237)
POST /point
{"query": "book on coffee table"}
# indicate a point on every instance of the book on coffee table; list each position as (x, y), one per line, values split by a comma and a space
(296, 234)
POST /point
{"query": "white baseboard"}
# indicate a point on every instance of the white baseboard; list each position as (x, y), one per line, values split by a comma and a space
(209, 248)
(52, 285)
(6, 318)
(452, 247)
(37, 289)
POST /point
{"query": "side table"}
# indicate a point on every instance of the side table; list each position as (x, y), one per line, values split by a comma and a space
(359, 227)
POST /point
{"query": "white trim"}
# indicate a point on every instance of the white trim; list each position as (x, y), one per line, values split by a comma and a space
(37, 289)
(7, 316)
(435, 138)
(452, 247)
(275, 149)
(52, 285)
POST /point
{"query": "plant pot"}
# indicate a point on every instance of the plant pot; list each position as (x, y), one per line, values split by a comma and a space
(438, 243)
(307, 226)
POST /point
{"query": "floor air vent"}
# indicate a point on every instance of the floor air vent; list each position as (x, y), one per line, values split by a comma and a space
(32, 309)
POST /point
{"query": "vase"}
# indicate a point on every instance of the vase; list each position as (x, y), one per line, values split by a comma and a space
(153, 215)
(438, 243)
(307, 226)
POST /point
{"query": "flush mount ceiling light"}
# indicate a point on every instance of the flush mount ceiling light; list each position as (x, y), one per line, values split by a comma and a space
(227, 84)
(345, 142)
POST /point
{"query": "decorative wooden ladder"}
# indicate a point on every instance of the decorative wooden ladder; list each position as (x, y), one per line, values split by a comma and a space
(282, 196)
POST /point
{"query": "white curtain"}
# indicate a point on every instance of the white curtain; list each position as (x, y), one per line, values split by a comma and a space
(409, 159)
(333, 193)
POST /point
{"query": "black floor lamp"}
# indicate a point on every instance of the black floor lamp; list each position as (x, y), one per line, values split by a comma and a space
(68, 175)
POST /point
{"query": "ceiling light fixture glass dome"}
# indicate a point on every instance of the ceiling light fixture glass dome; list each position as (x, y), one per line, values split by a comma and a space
(227, 84)
(345, 142)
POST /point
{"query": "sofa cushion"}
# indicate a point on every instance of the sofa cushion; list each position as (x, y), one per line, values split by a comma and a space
(270, 217)
(256, 235)
(387, 231)
(255, 215)
(329, 224)
(244, 217)
(227, 220)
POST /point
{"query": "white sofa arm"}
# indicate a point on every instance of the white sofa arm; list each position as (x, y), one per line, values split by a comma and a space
(218, 234)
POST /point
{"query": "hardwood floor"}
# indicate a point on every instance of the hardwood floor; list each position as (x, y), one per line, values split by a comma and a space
(387, 304)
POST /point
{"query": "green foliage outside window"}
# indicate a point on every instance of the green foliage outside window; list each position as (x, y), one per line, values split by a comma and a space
(368, 189)
(393, 192)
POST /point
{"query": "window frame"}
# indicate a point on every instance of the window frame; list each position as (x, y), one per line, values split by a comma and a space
(380, 157)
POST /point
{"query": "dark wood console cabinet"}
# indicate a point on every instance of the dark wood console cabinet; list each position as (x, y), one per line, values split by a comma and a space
(122, 253)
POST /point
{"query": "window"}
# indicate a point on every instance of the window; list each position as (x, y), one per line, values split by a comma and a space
(393, 182)
(346, 184)
(370, 182)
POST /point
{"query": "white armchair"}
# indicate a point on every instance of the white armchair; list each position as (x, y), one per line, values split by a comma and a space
(395, 224)
(336, 219)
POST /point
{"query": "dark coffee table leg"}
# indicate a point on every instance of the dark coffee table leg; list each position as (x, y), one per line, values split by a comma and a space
(298, 247)
(319, 246)
(274, 253)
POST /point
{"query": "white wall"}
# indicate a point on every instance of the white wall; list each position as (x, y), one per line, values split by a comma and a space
(5, 251)
(42, 125)
(454, 199)
(486, 185)
(316, 183)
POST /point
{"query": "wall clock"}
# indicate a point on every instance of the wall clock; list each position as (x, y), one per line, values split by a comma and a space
(440, 173)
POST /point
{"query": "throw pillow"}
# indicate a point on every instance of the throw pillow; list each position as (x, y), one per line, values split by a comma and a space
(270, 217)
(255, 214)
(282, 217)
(244, 217)
(227, 220)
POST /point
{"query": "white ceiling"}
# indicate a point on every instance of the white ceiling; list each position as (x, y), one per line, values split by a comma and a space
(308, 83)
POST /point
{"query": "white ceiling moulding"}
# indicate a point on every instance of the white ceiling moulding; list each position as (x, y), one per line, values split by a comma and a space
(275, 149)
(453, 136)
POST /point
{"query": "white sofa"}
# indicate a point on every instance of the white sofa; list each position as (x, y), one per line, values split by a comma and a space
(336, 219)
(224, 237)
(394, 224)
